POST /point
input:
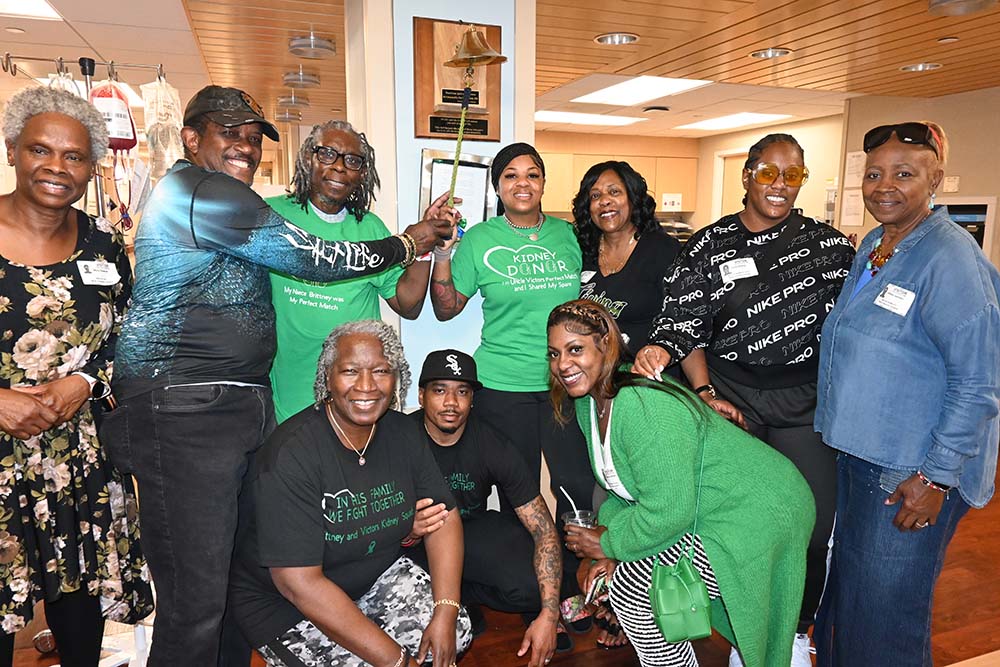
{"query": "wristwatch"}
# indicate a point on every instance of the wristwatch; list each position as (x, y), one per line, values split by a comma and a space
(709, 388)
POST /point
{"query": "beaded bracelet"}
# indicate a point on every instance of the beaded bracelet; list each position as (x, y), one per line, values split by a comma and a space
(933, 485)
(446, 601)
(402, 657)
(411, 249)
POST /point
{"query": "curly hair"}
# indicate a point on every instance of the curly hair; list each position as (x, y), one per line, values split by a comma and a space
(391, 348)
(589, 318)
(642, 204)
(361, 198)
(31, 102)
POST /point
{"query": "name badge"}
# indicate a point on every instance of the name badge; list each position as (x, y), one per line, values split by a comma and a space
(736, 269)
(586, 276)
(895, 299)
(611, 478)
(98, 273)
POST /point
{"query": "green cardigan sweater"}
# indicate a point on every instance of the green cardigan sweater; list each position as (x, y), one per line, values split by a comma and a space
(755, 516)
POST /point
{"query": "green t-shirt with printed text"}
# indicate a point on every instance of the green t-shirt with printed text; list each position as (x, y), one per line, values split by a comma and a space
(521, 281)
(306, 312)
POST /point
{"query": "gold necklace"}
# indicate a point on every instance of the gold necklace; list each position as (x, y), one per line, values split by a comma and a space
(601, 255)
(338, 429)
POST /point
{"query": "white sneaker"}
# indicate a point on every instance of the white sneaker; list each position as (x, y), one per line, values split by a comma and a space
(802, 651)
(734, 658)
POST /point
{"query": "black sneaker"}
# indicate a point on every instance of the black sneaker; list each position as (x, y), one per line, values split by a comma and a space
(564, 642)
(479, 625)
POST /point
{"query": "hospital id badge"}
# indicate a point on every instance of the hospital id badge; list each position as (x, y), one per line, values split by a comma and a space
(736, 269)
(98, 272)
(895, 299)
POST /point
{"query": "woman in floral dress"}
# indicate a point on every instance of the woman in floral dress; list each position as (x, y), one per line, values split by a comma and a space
(68, 528)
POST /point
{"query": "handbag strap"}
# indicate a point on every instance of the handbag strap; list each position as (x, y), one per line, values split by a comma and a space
(738, 295)
(697, 504)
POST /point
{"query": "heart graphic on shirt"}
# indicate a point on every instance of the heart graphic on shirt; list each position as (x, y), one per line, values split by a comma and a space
(508, 259)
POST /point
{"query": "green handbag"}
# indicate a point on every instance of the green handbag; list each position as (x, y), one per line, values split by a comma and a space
(677, 594)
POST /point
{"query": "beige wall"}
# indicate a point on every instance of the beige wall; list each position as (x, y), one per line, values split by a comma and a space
(614, 144)
(969, 119)
(819, 137)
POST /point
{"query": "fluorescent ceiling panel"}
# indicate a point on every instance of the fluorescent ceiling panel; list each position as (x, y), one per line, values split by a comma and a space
(31, 9)
(733, 120)
(583, 118)
(640, 89)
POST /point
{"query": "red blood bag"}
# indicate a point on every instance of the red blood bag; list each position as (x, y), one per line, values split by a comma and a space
(112, 102)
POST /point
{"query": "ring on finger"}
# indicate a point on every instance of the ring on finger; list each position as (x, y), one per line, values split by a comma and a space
(922, 525)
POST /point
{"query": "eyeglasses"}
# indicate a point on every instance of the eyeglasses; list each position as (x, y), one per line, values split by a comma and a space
(767, 173)
(327, 155)
(908, 133)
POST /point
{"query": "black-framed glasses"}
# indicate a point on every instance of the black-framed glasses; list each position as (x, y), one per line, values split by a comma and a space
(327, 155)
(767, 173)
(908, 133)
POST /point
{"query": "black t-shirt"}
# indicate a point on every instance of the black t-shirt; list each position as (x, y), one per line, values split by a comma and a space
(315, 505)
(481, 458)
(634, 295)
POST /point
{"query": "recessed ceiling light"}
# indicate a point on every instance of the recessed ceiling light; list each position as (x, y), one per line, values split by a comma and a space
(288, 116)
(617, 38)
(640, 89)
(957, 7)
(300, 79)
(293, 100)
(947, 40)
(583, 118)
(920, 67)
(733, 120)
(14, 30)
(32, 9)
(773, 52)
(311, 46)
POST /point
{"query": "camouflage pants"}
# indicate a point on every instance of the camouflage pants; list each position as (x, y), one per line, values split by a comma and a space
(400, 602)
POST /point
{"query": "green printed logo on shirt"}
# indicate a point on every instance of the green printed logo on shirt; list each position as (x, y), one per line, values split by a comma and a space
(381, 504)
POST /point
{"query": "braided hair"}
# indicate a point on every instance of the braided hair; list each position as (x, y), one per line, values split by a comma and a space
(361, 198)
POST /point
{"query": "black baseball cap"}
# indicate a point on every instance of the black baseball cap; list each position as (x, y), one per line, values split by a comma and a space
(449, 365)
(229, 107)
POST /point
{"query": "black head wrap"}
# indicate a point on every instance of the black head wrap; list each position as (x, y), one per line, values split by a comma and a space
(504, 158)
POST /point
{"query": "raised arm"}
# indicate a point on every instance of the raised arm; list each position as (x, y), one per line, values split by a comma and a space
(331, 610)
(540, 636)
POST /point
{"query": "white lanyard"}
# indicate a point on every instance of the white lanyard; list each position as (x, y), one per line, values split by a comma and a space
(604, 463)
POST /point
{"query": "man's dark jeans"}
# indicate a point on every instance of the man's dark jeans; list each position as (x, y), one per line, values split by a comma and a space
(189, 448)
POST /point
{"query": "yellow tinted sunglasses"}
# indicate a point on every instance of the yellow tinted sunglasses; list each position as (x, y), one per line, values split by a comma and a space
(767, 173)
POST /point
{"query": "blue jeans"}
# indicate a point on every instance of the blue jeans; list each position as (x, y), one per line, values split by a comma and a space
(189, 448)
(876, 610)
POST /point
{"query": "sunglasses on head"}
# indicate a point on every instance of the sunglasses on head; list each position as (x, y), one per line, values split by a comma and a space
(767, 173)
(908, 133)
(327, 155)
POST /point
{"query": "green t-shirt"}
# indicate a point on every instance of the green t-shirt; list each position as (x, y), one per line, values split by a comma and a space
(521, 281)
(306, 312)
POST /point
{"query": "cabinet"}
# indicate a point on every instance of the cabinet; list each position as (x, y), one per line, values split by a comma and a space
(563, 172)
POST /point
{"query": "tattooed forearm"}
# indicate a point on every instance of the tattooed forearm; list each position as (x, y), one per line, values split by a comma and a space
(536, 519)
(447, 301)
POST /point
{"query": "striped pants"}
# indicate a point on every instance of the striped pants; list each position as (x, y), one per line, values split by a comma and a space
(629, 596)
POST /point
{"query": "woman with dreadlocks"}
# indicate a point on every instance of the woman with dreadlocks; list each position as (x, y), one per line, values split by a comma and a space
(333, 186)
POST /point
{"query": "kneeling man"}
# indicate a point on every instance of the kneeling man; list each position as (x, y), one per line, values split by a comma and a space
(512, 564)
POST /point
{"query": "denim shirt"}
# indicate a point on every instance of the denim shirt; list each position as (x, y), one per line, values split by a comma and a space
(919, 390)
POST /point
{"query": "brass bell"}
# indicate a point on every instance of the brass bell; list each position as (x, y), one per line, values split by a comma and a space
(474, 51)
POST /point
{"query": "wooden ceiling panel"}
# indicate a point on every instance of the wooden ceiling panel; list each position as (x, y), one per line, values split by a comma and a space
(840, 45)
(245, 44)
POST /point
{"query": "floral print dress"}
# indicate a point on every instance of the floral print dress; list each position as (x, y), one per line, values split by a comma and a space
(68, 519)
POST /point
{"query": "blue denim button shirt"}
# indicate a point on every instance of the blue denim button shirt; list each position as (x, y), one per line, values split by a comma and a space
(920, 390)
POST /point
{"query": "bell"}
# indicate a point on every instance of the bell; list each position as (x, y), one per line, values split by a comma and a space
(474, 51)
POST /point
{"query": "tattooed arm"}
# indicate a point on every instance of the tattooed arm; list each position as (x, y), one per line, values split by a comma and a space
(541, 635)
(447, 301)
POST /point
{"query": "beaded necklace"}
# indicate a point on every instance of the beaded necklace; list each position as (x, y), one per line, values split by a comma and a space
(535, 228)
(877, 259)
